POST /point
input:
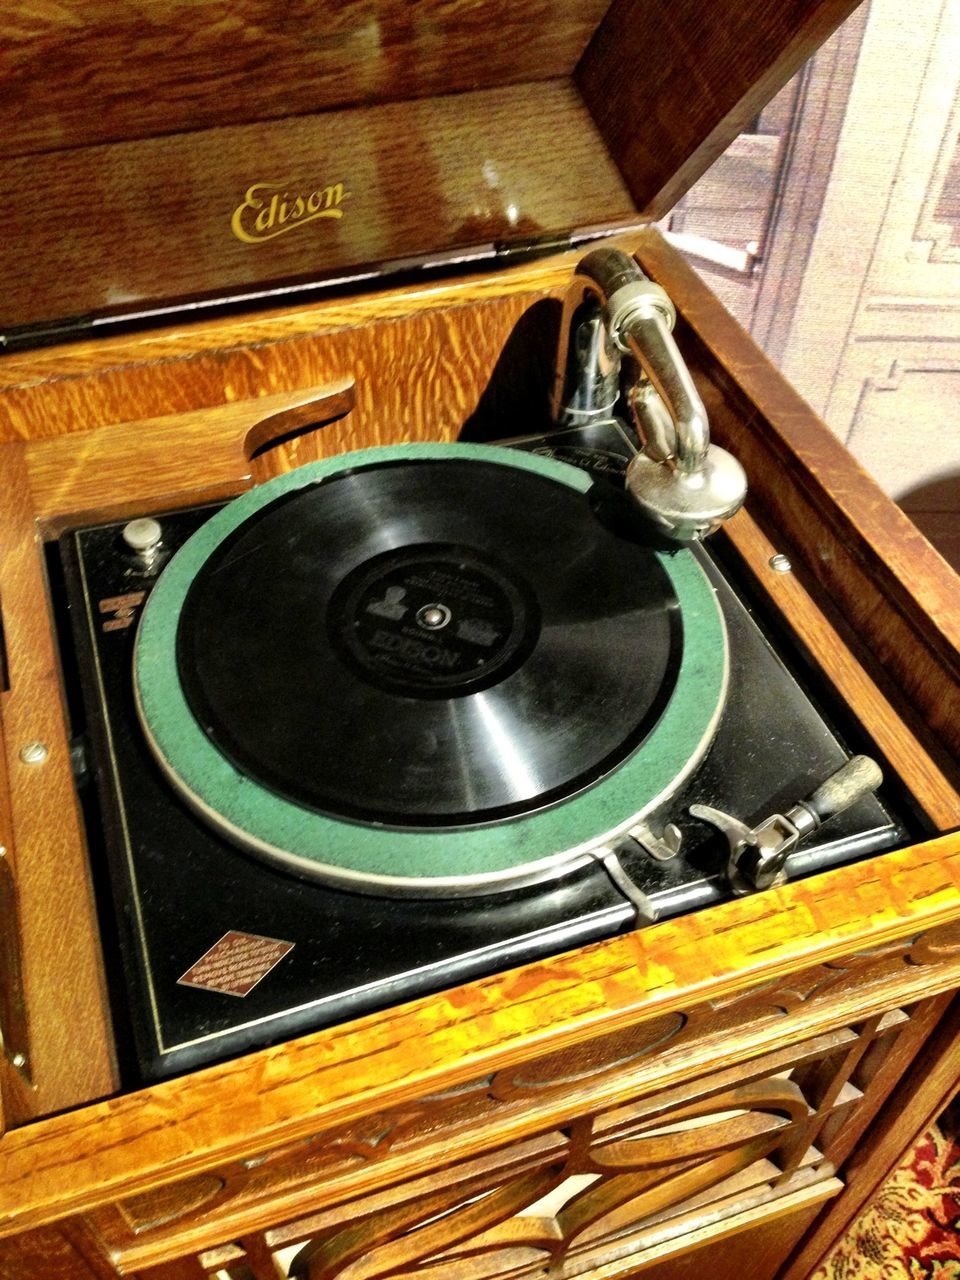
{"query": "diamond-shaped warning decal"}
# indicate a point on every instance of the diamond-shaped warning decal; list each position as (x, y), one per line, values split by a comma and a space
(234, 965)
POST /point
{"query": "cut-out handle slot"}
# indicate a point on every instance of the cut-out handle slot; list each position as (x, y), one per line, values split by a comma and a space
(283, 439)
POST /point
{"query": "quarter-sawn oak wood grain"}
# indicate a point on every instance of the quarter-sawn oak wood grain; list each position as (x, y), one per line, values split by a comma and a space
(427, 359)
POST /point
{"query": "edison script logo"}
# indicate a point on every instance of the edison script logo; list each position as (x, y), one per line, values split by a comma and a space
(270, 209)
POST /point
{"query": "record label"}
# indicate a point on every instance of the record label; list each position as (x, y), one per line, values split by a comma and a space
(432, 620)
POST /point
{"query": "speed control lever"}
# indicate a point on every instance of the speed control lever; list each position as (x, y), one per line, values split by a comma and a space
(758, 854)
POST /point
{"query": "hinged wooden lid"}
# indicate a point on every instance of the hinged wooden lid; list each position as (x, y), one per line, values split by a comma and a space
(158, 156)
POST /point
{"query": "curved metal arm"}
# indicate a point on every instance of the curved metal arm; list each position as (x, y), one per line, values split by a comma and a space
(683, 482)
(651, 344)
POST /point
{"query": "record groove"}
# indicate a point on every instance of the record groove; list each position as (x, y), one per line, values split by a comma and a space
(427, 669)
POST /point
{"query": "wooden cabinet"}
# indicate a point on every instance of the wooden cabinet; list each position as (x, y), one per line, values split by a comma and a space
(689, 1091)
(606, 1111)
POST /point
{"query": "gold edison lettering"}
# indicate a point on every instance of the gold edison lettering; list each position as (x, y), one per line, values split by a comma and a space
(271, 208)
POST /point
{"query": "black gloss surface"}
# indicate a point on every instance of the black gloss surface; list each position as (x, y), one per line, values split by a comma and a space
(177, 888)
(305, 653)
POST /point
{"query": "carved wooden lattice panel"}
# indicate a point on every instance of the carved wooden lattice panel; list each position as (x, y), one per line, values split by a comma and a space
(608, 1069)
(616, 1182)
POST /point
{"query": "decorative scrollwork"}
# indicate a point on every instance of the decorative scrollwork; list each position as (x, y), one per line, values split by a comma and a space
(645, 1167)
(552, 1080)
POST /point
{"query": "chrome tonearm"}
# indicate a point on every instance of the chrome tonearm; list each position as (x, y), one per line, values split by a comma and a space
(685, 484)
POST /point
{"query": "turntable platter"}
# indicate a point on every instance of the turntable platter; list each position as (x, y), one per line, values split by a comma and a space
(428, 669)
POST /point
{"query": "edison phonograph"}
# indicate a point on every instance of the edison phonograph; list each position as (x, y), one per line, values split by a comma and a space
(411, 715)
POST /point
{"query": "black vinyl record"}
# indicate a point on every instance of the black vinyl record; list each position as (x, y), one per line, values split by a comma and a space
(429, 643)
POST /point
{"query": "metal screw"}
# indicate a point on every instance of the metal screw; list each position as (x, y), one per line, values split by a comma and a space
(3, 850)
(780, 564)
(19, 1060)
(34, 753)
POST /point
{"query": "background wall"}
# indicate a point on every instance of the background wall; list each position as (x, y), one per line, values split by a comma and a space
(832, 230)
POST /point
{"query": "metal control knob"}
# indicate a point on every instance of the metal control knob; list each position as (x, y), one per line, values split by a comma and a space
(143, 537)
(758, 854)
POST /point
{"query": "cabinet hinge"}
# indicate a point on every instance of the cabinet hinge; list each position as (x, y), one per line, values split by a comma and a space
(529, 247)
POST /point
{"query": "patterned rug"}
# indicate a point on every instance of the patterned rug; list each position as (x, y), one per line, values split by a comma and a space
(911, 1230)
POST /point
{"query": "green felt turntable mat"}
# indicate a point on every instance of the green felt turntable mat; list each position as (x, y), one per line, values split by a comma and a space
(377, 858)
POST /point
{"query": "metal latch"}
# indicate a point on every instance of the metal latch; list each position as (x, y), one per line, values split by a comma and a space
(758, 854)
(663, 847)
(643, 909)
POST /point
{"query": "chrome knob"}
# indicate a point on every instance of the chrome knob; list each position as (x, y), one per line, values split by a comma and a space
(143, 536)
